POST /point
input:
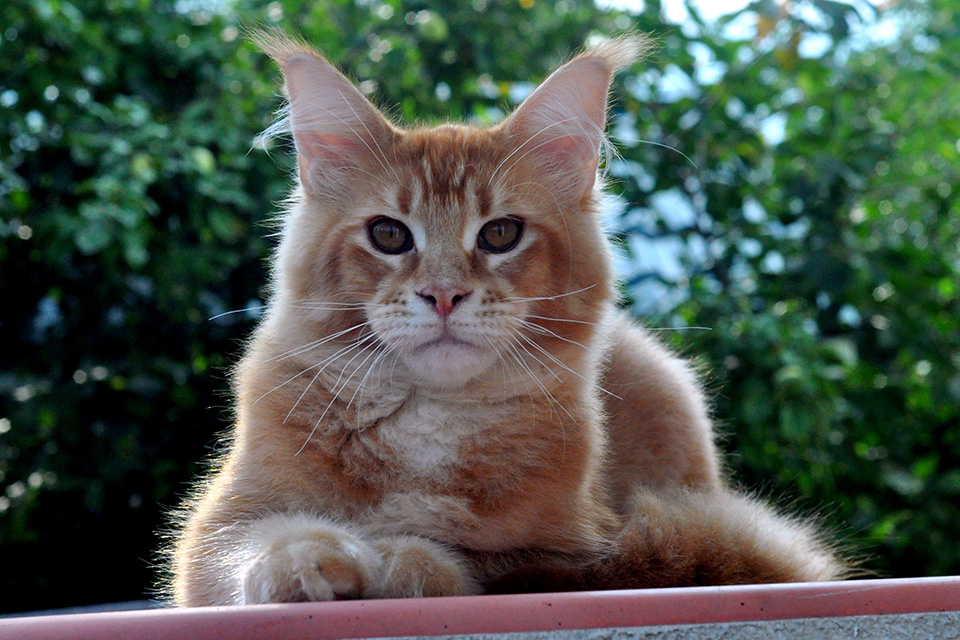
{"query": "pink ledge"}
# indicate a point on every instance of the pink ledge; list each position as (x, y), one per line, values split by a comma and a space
(499, 614)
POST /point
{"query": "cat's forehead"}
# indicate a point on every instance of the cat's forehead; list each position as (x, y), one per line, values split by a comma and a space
(448, 170)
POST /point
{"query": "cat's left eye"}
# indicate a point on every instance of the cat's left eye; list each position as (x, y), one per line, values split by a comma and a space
(500, 235)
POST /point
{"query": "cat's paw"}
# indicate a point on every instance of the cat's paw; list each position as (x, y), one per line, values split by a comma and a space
(415, 567)
(311, 565)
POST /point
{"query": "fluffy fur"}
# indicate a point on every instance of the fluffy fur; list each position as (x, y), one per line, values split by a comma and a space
(450, 419)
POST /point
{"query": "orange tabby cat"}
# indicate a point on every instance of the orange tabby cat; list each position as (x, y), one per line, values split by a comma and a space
(442, 399)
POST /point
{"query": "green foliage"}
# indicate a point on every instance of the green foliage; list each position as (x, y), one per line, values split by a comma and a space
(818, 242)
(830, 286)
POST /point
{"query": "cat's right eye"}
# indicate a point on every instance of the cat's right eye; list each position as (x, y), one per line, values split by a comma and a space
(390, 236)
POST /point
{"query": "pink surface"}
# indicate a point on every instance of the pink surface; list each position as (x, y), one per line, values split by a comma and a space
(491, 614)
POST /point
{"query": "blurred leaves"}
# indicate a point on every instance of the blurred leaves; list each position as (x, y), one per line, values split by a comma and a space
(787, 178)
(825, 198)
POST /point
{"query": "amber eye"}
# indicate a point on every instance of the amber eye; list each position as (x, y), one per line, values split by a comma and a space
(500, 235)
(390, 236)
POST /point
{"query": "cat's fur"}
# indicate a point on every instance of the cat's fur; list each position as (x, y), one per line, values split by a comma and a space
(452, 420)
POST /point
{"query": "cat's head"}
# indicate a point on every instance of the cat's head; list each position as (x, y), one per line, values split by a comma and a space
(461, 247)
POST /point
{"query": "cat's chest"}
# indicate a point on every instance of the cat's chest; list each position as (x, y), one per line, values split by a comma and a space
(426, 438)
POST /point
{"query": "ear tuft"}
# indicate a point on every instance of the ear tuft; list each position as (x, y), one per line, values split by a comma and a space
(621, 51)
(559, 128)
(335, 128)
(279, 45)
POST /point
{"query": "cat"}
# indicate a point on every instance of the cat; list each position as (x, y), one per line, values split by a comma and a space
(442, 398)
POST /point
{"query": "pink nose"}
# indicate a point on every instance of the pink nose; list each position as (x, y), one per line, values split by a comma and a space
(443, 299)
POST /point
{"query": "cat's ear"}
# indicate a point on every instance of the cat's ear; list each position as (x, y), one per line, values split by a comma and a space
(335, 128)
(560, 126)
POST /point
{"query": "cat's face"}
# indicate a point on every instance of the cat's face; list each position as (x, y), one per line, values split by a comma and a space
(450, 246)
(448, 253)
(460, 249)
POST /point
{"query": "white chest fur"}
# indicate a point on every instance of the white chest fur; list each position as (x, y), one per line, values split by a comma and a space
(426, 434)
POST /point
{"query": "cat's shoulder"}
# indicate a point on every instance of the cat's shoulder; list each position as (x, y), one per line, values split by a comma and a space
(637, 353)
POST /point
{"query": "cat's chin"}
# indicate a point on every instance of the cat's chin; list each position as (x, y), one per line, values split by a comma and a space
(448, 363)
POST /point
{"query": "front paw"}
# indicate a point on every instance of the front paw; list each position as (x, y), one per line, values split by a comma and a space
(311, 565)
(415, 567)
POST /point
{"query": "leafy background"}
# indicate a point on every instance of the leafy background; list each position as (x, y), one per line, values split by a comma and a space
(787, 180)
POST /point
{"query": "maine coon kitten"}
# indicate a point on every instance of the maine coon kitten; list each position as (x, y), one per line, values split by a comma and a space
(441, 398)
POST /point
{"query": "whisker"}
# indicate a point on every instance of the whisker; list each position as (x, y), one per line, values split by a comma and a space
(552, 400)
(244, 310)
(592, 324)
(563, 366)
(337, 303)
(325, 307)
(313, 345)
(561, 295)
(666, 146)
(393, 367)
(514, 379)
(380, 361)
(536, 359)
(323, 363)
(328, 303)
(336, 389)
(383, 351)
(543, 330)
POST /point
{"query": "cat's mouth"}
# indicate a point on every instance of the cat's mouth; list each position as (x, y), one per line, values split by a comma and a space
(446, 341)
(446, 358)
(447, 338)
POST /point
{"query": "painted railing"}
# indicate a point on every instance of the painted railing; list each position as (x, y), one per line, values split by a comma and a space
(504, 614)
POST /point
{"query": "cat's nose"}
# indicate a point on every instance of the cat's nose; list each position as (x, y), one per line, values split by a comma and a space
(443, 299)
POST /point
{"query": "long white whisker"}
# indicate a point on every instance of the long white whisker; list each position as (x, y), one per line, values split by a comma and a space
(536, 359)
(543, 330)
(561, 295)
(323, 365)
(514, 382)
(515, 375)
(336, 389)
(380, 361)
(552, 319)
(313, 345)
(381, 350)
(346, 306)
(519, 347)
(550, 397)
(244, 310)
(563, 366)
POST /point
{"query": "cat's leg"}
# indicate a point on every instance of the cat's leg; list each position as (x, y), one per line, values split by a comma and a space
(415, 567)
(687, 538)
(684, 525)
(298, 557)
(304, 558)
(658, 419)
